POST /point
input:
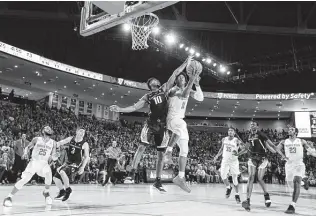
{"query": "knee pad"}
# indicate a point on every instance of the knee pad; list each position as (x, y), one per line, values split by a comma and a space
(184, 147)
(235, 180)
(26, 177)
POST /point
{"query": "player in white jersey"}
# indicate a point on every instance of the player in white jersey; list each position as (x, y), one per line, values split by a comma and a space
(230, 162)
(295, 167)
(44, 149)
(178, 99)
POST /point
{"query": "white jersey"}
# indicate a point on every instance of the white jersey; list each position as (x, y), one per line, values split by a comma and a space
(294, 151)
(229, 147)
(177, 105)
(42, 150)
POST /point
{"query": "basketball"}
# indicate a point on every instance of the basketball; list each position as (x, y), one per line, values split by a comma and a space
(194, 65)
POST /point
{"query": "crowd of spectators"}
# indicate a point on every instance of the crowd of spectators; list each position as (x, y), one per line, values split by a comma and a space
(16, 120)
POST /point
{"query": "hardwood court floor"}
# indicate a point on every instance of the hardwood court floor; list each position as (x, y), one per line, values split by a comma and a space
(138, 200)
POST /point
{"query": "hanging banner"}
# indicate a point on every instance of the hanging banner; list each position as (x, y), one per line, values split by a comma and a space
(98, 112)
(106, 112)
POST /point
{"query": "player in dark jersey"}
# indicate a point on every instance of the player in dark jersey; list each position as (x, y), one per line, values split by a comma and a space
(78, 157)
(257, 147)
(154, 130)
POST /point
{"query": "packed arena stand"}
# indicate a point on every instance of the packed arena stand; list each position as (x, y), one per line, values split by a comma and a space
(28, 118)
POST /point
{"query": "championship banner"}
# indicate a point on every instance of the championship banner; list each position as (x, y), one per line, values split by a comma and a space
(166, 175)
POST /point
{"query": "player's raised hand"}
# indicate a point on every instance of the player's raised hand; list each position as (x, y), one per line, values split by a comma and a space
(115, 108)
(189, 59)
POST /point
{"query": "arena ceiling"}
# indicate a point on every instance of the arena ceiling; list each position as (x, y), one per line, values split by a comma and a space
(270, 46)
(35, 82)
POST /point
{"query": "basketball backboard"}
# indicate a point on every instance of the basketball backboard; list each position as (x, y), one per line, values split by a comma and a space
(114, 13)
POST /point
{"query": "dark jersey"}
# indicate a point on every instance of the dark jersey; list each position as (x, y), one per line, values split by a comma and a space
(257, 143)
(75, 151)
(158, 105)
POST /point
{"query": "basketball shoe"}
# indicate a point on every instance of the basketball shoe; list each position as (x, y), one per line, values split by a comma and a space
(181, 183)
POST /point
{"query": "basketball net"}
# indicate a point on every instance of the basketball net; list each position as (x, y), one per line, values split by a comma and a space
(141, 28)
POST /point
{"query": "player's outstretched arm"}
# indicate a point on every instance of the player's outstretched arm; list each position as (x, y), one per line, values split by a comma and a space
(64, 141)
(220, 152)
(54, 153)
(188, 88)
(29, 147)
(86, 158)
(310, 149)
(243, 150)
(169, 84)
(198, 94)
(140, 104)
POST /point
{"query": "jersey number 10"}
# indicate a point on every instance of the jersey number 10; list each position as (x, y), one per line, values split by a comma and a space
(157, 100)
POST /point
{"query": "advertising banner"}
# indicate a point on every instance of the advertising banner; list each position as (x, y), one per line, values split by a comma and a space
(233, 96)
(303, 124)
(166, 176)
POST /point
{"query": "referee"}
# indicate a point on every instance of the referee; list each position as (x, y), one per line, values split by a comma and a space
(114, 152)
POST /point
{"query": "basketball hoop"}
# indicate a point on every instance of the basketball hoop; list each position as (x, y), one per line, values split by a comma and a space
(141, 28)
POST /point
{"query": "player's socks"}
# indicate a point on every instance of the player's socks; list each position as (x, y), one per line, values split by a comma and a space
(67, 194)
(181, 174)
(10, 195)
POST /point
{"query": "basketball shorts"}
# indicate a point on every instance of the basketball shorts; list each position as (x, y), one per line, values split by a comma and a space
(68, 168)
(258, 162)
(155, 133)
(294, 168)
(179, 127)
(231, 167)
(38, 167)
